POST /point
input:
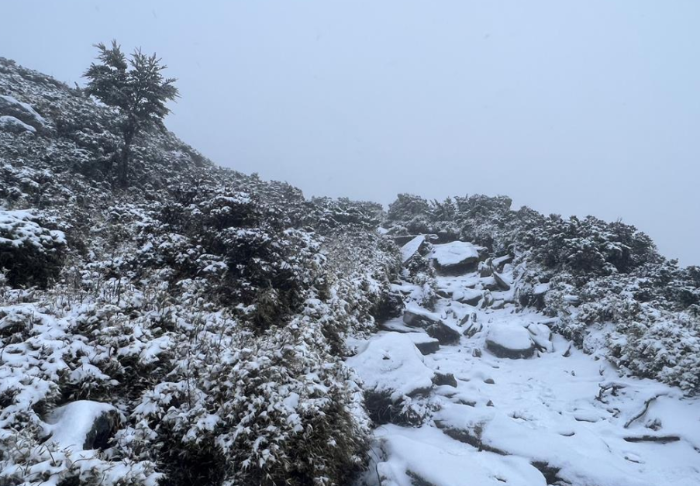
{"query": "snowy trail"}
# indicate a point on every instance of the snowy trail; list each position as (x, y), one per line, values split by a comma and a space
(467, 412)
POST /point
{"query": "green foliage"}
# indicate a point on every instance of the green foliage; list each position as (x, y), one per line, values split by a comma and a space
(140, 93)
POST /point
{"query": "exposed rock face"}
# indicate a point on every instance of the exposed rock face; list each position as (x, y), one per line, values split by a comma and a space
(510, 341)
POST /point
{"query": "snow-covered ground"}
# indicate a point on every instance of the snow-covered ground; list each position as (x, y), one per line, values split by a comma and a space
(556, 416)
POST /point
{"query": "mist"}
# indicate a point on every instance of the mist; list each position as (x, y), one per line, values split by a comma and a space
(569, 108)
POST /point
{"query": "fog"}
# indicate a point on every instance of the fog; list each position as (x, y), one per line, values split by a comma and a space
(567, 107)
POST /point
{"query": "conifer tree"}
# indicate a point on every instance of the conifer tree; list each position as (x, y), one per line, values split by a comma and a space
(137, 88)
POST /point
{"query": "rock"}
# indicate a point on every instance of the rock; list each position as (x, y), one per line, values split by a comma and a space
(445, 379)
(468, 296)
(392, 365)
(425, 344)
(83, 425)
(416, 317)
(510, 341)
(485, 271)
(411, 248)
(489, 381)
(443, 333)
(501, 281)
(476, 352)
(489, 283)
(456, 258)
(498, 304)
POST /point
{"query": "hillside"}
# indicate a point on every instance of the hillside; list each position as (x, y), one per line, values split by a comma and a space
(202, 326)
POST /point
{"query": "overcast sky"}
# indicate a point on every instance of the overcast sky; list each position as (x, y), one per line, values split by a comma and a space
(587, 107)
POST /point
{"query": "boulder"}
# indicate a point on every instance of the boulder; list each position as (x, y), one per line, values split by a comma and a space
(424, 343)
(510, 341)
(501, 281)
(443, 333)
(456, 258)
(445, 379)
(83, 425)
(414, 316)
(468, 296)
(392, 365)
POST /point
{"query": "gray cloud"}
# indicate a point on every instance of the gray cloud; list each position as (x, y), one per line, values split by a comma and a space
(573, 108)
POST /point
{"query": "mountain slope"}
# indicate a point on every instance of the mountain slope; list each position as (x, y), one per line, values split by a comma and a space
(201, 326)
(207, 308)
(508, 401)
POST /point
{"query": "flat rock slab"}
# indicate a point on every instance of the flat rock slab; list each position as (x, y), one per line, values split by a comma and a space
(510, 341)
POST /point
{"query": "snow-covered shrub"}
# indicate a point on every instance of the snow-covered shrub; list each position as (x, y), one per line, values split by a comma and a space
(30, 254)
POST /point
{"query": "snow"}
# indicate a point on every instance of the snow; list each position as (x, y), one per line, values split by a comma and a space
(566, 412)
(70, 424)
(24, 107)
(392, 363)
(454, 253)
(9, 121)
(510, 336)
(410, 248)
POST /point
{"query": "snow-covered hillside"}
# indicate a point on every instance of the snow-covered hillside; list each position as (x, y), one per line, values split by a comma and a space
(512, 402)
(202, 326)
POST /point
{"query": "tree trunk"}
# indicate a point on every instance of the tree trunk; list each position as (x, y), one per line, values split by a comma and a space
(123, 167)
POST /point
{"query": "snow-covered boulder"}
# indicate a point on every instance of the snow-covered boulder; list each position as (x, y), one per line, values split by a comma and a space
(415, 316)
(392, 364)
(468, 296)
(424, 343)
(510, 341)
(83, 425)
(14, 125)
(455, 258)
(11, 108)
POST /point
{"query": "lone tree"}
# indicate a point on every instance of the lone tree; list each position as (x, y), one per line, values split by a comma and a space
(136, 87)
